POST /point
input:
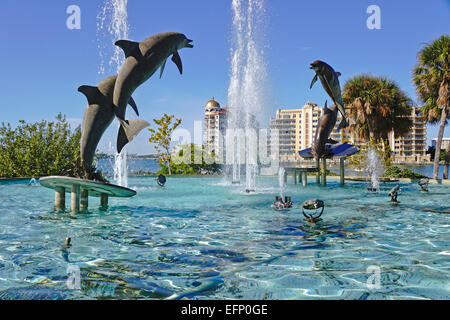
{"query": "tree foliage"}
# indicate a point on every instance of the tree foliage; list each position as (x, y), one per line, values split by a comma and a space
(39, 149)
(162, 137)
(378, 107)
(431, 77)
(191, 159)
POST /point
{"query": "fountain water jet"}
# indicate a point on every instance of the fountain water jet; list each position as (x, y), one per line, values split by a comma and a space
(373, 169)
(245, 92)
(115, 16)
(281, 177)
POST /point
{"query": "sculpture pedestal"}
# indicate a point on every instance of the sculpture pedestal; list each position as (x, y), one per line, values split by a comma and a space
(82, 189)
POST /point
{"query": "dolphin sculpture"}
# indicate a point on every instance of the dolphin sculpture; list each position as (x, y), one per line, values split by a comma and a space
(423, 183)
(324, 129)
(394, 194)
(99, 114)
(142, 61)
(330, 82)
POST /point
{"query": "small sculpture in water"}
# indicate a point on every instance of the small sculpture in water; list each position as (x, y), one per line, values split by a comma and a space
(279, 204)
(423, 183)
(32, 182)
(394, 194)
(314, 204)
(161, 180)
(330, 82)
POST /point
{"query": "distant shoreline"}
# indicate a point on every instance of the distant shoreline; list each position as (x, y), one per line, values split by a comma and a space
(130, 156)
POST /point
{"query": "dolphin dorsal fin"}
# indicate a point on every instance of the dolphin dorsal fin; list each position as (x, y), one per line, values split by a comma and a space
(93, 95)
(132, 103)
(128, 47)
(163, 65)
(177, 60)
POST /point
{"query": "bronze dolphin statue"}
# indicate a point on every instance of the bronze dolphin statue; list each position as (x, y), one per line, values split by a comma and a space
(142, 61)
(330, 82)
(99, 114)
(324, 129)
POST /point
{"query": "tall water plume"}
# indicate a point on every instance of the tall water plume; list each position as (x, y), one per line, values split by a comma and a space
(374, 169)
(112, 25)
(281, 177)
(246, 89)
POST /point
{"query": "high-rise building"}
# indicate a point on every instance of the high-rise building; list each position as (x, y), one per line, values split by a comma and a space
(412, 147)
(215, 126)
(445, 145)
(297, 130)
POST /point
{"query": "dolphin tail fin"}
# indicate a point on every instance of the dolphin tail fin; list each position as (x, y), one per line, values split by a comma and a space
(128, 130)
(127, 46)
(177, 60)
(345, 123)
(331, 141)
(313, 81)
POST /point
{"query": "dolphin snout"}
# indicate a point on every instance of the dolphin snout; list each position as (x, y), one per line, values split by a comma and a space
(189, 44)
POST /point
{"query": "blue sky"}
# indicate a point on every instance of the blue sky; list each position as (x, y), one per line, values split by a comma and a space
(43, 62)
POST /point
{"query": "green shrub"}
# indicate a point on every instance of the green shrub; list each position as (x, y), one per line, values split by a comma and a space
(39, 149)
(396, 172)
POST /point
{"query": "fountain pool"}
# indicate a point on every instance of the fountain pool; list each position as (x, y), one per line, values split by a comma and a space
(204, 239)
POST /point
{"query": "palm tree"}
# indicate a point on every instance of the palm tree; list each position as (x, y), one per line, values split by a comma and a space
(378, 106)
(446, 164)
(432, 79)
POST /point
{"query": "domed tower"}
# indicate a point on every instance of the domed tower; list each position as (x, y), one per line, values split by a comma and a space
(212, 105)
(215, 126)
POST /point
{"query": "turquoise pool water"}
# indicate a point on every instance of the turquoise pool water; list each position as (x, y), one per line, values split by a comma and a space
(202, 238)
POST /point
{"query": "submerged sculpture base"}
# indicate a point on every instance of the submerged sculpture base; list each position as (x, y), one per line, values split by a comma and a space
(81, 189)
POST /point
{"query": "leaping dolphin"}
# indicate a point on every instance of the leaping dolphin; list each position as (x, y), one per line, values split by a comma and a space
(99, 114)
(330, 82)
(142, 61)
(324, 129)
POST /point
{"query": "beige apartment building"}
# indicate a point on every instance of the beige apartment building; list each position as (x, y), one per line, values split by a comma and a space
(297, 130)
(412, 147)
